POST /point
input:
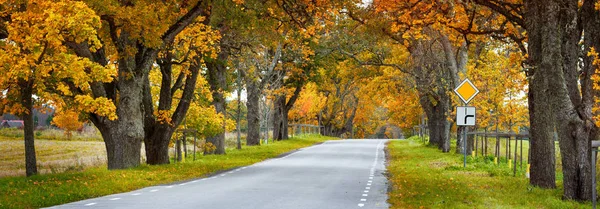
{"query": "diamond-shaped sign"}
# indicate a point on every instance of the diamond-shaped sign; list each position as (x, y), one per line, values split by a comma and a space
(466, 91)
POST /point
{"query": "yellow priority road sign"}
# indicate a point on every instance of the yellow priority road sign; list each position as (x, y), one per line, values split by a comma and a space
(466, 91)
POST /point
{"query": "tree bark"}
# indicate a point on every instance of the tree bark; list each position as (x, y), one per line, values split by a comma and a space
(332, 129)
(127, 132)
(253, 117)
(557, 25)
(280, 116)
(124, 135)
(439, 126)
(280, 131)
(158, 133)
(543, 166)
(434, 79)
(28, 128)
(217, 75)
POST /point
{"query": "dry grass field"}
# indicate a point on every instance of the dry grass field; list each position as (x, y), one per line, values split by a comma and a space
(57, 153)
(52, 156)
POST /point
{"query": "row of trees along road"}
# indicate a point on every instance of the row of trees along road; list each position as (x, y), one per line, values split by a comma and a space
(553, 42)
(136, 69)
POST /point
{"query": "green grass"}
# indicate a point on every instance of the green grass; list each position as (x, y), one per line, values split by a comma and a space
(424, 177)
(53, 189)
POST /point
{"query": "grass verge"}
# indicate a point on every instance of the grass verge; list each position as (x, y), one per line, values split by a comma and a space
(424, 177)
(54, 189)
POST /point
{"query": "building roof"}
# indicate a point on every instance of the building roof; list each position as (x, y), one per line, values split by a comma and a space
(12, 123)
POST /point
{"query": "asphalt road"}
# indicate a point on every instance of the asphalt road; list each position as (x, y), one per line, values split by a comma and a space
(336, 174)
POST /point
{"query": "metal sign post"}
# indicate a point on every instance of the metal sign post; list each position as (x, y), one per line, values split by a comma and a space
(465, 146)
(465, 116)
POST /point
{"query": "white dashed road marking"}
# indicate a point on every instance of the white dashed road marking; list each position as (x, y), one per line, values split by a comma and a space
(116, 198)
(90, 204)
(371, 175)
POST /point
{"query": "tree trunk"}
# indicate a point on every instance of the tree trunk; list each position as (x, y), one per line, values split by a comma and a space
(459, 139)
(556, 25)
(123, 136)
(127, 132)
(217, 75)
(576, 127)
(253, 117)
(158, 134)
(280, 131)
(470, 140)
(542, 160)
(435, 75)
(439, 126)
(282, 108)
(157, 145)
(239, 112)
(28, 129)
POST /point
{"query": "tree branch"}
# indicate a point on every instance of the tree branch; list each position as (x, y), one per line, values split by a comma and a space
(493, 5)
(199, 9)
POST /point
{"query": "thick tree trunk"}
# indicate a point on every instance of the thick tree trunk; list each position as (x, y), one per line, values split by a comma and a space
(552, 24)
(431, 75)
(217, 75)
(282, 108)
(543, 166)
(123, 136)
(253, 117)
(157, 145)
(127, 132)
(158, 134)
(542, 154)
(280, 131)
(330, 129)
(439, 126)
(574, 113)
(28, 129)
(470, 140)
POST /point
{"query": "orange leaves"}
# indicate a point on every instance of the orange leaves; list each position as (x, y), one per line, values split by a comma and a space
(163, 116)
(100, 106)
(308, 105)
(596, 81)
(68, 120)
(196, 40)
(35, 51)
(48, 24)
(501, 102)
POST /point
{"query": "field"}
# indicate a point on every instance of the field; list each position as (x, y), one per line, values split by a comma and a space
(53, 189)
(423, 177)
(57, 153)
(53, 156)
